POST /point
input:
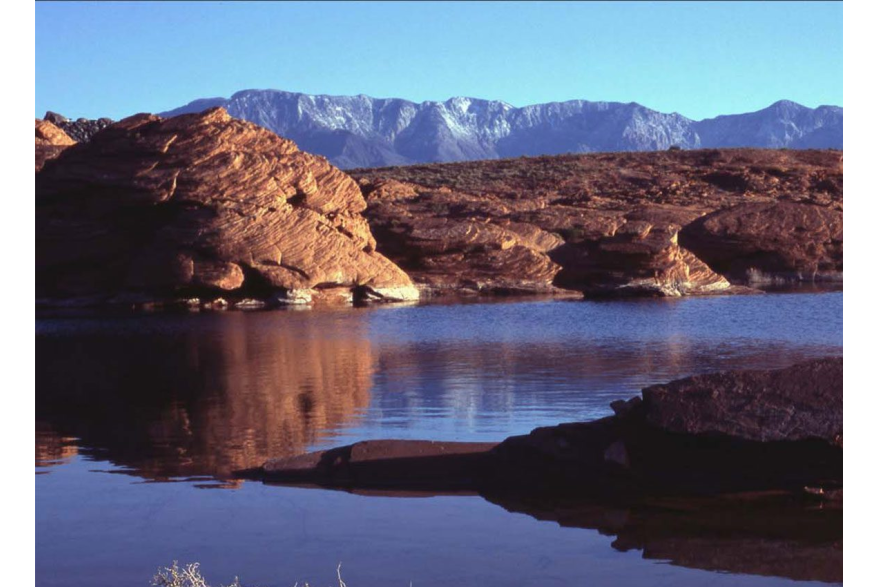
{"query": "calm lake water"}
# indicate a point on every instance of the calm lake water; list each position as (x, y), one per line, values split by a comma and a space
(141, 418)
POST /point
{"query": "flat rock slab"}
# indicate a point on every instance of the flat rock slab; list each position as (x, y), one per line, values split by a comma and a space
(387, 463)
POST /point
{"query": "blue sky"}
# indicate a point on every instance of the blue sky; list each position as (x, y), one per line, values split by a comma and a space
(698, 59)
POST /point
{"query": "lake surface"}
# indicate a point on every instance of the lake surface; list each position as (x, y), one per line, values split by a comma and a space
(142, 418)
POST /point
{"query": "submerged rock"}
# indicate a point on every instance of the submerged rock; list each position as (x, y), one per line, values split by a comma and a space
(723, 433)
(203, 205)
(382, 463)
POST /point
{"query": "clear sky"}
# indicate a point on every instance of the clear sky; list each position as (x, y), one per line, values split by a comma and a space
(696, 58)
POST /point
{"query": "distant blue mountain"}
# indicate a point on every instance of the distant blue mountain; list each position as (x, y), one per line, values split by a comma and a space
(360, 131)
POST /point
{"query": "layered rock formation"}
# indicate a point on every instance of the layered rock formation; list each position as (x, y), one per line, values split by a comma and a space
(204, 205)
(663, 223)
(771, 242)
(724, 433)
(50, 141)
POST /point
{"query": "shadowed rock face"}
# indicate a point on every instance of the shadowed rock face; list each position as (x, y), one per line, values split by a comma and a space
(799, 403)
(739, 431)
(50, 141)
(201, 205)
(661, 223)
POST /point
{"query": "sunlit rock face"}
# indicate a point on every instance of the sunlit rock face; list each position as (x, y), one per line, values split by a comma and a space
(664, 223)
(203, 402)
(771, 242)
(203, 204)
(50, 141)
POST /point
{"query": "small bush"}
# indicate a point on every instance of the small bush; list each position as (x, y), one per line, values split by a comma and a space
(187, 576)
(190, 576)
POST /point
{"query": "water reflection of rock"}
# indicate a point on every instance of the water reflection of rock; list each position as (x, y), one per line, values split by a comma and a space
(218, 394)
(803, 542)
(52, 448)
(572, 380)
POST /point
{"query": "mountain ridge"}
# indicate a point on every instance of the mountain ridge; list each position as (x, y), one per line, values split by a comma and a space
(361, 131)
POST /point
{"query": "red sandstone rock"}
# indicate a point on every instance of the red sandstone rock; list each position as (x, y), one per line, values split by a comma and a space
(203, 203)
(770, 242)
(50, 141)
(610, 223)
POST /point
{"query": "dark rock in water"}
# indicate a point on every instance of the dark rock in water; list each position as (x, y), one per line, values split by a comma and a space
(388, 463)
(803, 402)
(768, 243)
(733, 432)
(709, 434)
(203, 206)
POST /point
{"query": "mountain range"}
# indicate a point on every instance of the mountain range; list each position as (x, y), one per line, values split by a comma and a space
(361, 131)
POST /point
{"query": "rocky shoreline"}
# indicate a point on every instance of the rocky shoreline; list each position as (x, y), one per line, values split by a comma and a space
(730, 433)
(614, 224)
(204, 210)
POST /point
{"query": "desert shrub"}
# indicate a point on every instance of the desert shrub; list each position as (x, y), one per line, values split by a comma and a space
(190, 576)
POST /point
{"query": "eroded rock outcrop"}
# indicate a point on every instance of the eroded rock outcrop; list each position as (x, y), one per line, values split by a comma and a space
(661, 223)
(771, 242)
(204, 204)
(50, 141)
(723, 433)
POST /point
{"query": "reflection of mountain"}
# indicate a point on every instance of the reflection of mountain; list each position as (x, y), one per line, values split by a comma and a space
(215, 394)
(754, 538)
